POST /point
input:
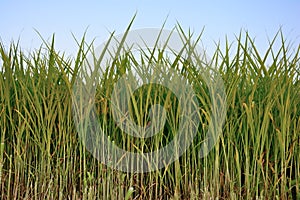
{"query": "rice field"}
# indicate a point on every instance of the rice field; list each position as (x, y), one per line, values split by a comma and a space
(256, 156)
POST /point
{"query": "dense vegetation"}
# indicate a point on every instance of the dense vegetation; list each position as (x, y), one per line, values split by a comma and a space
(257, 154)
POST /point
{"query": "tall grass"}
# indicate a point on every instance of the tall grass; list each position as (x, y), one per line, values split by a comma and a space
(257, 155)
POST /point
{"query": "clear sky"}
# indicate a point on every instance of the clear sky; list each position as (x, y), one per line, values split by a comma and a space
(20, 18)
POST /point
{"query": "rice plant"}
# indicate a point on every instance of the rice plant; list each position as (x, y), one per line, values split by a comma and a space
(256, 157)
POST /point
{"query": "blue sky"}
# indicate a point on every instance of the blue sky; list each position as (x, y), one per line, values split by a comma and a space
(262, 19)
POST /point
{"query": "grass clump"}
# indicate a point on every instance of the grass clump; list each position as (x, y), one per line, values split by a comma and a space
(257, 155)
